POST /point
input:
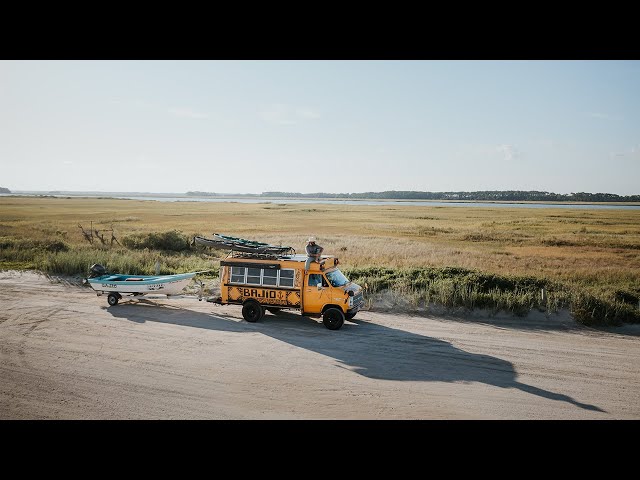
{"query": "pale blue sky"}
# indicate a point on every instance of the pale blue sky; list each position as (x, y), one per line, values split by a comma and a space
(311, 126)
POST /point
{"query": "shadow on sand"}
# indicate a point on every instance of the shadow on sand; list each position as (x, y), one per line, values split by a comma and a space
(369, 349)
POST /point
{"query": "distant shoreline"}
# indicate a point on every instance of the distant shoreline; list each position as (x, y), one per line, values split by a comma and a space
(258, 198)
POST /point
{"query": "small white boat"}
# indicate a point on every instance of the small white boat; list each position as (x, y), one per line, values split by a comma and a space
(116, 284)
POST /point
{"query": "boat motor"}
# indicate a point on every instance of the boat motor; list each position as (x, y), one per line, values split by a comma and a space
(97, 270)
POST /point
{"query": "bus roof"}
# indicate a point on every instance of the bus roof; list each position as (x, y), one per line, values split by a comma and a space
(290, 258)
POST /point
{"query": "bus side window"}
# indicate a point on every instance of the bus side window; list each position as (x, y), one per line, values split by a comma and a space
(316, 278)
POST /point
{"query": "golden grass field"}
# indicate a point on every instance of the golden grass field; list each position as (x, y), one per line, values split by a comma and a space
(556, 242)
(596, 249)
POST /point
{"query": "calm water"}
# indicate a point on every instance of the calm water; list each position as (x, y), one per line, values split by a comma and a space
(354, 202)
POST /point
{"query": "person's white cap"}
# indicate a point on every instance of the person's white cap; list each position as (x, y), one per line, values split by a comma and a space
(311, 239)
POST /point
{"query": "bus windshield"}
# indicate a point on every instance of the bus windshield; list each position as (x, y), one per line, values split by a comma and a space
(336, 278)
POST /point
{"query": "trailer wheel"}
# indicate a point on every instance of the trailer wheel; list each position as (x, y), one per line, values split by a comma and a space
(113, 298)
(252, 311)
(333, 318)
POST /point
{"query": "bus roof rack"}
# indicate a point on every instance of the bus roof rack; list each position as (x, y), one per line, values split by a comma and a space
(243, 246)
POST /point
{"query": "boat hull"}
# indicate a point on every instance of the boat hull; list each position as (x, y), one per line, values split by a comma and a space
(240, 245)
(164, 284)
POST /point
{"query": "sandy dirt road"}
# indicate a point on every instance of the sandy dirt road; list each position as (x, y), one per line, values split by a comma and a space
(65, 354)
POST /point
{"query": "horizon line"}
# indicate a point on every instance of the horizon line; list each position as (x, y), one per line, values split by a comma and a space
(196, 193)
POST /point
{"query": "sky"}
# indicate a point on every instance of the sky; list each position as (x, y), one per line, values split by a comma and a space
(320, 126)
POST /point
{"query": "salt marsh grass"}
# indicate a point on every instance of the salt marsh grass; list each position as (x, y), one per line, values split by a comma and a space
(476, 257)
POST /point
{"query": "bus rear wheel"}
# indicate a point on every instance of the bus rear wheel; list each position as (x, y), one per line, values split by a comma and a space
(252, 311)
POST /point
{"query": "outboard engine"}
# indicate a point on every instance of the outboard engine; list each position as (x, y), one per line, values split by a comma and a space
(97, 270)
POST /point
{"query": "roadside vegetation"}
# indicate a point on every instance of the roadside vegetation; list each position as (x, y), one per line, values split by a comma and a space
(492, 258)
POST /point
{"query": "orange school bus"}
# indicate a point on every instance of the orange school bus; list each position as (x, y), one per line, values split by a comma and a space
(275, 283)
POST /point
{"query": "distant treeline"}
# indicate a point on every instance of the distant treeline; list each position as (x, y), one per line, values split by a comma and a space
(204, 194)
(496, 195)
(4, 190)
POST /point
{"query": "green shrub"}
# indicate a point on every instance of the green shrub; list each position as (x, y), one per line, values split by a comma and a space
(56, 246)
(592, 310)
(37, 245)
(627, 297)
(173, 241)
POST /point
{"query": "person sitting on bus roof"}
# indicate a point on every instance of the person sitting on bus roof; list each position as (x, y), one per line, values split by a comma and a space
(313, 252)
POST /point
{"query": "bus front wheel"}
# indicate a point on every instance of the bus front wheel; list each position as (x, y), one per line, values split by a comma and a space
(333, 318)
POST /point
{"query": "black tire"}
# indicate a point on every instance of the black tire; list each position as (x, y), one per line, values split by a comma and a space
(274, 311)
(349, 316)
(113, 298)
(252, 311)
(333, 318)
